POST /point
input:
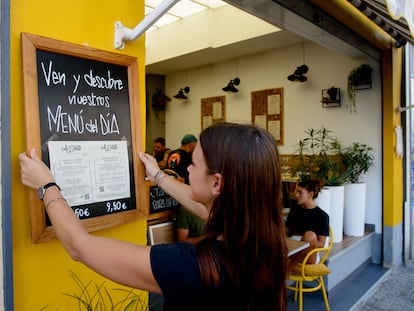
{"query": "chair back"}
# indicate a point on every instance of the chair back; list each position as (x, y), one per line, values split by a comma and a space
(328, 248)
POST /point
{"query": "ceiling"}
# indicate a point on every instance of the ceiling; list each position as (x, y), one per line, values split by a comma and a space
(296, 27)
(226, 52)
(180, 10)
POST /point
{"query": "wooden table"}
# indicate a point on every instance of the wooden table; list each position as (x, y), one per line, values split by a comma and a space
(295, 246)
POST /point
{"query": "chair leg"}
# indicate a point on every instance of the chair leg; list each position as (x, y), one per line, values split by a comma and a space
(325, 296)
(300, 295)
(297, 289)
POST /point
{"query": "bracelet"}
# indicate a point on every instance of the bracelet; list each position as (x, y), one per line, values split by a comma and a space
(54, 200)
(160, 179)
(157, 175)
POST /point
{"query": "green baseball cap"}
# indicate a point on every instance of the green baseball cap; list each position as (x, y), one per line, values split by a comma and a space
(187, 139)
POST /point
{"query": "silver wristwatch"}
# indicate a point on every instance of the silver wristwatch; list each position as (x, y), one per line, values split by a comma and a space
(42, 190)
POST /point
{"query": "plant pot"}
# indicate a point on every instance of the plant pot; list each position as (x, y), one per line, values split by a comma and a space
(354, 209)
(336, 216)
(324, 200)
(332, 92)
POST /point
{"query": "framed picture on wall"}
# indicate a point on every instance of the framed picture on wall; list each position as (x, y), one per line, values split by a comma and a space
(213, 110)
(267, 111)
(161, 233)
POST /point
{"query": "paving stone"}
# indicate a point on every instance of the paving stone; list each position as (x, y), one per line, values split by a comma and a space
(393, 293)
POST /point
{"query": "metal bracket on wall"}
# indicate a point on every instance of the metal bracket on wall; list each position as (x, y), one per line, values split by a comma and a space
(402, 109)
(123, 34)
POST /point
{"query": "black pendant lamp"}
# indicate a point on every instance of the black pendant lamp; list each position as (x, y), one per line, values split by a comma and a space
(181, 93)
(230, 87)
(298, 74)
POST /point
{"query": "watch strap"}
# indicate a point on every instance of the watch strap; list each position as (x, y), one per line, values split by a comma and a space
(42, 190)
(51, 184)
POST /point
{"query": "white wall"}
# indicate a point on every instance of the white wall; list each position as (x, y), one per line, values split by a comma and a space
(302, 106)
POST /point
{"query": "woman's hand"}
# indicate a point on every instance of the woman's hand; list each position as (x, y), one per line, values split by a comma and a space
(33, 172)
(151, 165)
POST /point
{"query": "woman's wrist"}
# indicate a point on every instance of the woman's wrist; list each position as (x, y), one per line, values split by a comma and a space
(52, 195)
(159, 177)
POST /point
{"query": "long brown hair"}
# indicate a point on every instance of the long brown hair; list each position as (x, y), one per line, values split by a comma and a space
(247, 214)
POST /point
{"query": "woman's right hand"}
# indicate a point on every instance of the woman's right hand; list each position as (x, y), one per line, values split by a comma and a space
(151, 165)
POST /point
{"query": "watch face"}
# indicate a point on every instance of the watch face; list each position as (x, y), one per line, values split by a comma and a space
(40, 192)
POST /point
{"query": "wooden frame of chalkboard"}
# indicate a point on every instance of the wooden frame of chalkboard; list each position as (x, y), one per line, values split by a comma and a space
(79, 96)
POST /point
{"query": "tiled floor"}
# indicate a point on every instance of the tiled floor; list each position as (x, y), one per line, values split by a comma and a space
(394, 292)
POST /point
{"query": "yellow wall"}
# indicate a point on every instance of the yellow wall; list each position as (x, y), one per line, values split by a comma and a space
(392, 168)
(41, 271)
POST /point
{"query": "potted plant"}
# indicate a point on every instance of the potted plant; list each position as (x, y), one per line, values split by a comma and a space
(319, 157)
(307, 153)
(333, 93)
(358, 78)
(358, 158)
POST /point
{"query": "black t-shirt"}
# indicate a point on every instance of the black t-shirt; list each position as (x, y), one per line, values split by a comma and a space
(301, 220)
(175, 268)
(178, 161)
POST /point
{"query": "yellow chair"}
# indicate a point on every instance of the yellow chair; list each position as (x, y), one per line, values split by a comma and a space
(314, 273)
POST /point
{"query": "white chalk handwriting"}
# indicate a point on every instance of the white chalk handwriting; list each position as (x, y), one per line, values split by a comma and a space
(54, 77)
(63, 122)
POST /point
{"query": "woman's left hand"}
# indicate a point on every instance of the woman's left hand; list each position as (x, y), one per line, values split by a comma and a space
(33, 172)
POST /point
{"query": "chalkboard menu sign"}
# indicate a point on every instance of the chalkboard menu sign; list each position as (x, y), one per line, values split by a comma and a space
(161, 201)
(83, 117)
(160, 205)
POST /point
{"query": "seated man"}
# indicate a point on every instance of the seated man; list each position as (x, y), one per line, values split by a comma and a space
(188, 226)
(307, 221)
(161, 152)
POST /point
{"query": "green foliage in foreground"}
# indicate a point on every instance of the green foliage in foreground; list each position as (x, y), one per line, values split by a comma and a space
(96, 297)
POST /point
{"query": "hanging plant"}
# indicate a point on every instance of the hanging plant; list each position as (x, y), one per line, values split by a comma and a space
(358, 79)
(159, 100)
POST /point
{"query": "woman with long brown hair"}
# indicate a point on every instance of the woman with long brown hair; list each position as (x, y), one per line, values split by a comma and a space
(240, 264)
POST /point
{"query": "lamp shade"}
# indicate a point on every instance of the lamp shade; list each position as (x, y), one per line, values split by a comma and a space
(298, 75)
(181, 93)
(230, 87)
